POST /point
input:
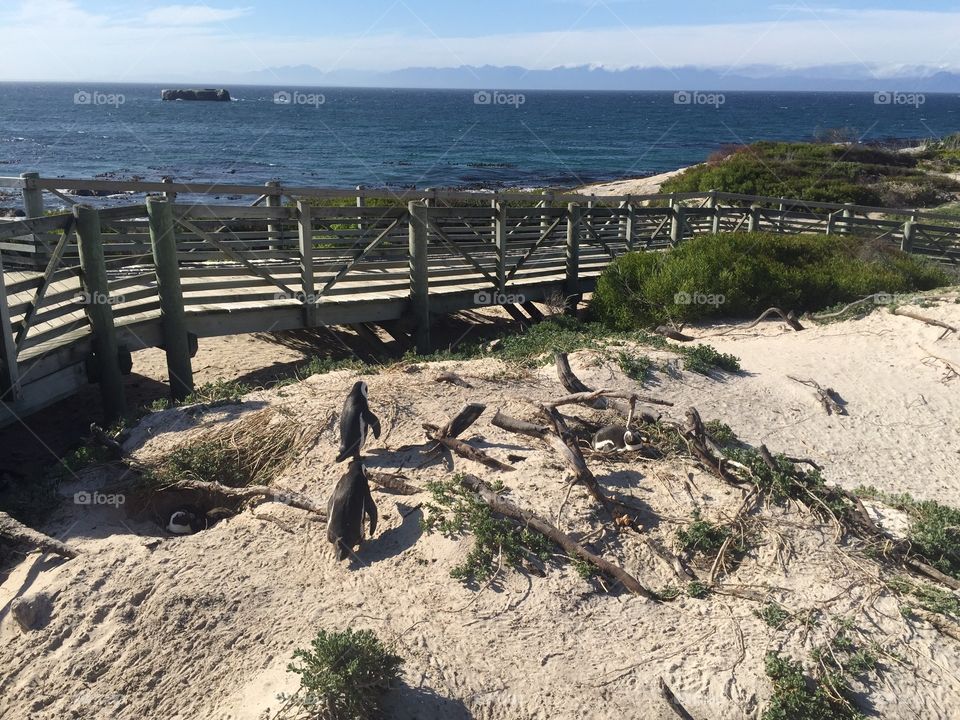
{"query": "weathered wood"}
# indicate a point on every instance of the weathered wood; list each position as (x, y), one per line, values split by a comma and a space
(16, 532)
(528, 519)
(574, 221)
(511, 424)
(451, 378)
(673, 334)
(447, 436)
(828, 397)
(394, 483)
(419, 277)
(667, 694)
(923, 318)
(459, 423)
(98, 308)
(566, 443)
(305, 243)
(176, 341)
(9, 370)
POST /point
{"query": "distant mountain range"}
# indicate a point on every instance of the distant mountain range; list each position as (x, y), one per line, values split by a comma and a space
(838, 78)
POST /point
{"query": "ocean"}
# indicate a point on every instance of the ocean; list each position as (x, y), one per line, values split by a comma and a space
(343, 137)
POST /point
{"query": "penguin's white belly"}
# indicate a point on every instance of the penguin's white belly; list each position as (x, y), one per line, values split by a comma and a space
(604, 445)
(363, 431)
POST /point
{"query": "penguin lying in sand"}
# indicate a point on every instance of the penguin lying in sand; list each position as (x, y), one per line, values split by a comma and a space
(616, 437)
(350, 502)
(187, 521)
(355, 419)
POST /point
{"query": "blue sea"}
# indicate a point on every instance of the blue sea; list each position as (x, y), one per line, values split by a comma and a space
(343, 137)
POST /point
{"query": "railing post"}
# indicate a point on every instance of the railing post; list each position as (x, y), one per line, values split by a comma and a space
(32, 195)
(847, 214)
(307, 286)
(98, 308)
(361, 203)
(168, 194)
(430, 197)
(831, 222)
(630, 228)
(9, 370)
(547, 202)
(173, 318)
(782, 208)
(572, 283)
(677, 223)
(753, 224)
(274, 201)
(501, 237)
(419, 276)
(714, 205)
(906, 245)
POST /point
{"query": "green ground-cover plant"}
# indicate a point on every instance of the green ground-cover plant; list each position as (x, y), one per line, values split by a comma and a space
(835, 173)
(934, 532)
(746, 273)
(701, 535)
(498, 542)
(343, 676)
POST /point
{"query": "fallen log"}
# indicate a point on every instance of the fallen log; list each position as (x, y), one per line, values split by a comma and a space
(588, 398)
(452, 378)
(570, 546)
(600, 399)
(18, 533)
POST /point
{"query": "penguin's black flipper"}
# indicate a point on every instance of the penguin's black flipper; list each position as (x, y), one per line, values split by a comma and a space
(373, 421)
(370, 507)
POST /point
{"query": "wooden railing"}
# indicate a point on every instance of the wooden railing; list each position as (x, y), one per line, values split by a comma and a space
(81, 290)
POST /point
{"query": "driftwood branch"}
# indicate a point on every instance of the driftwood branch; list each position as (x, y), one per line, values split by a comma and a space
(257, 493)
(589, 398)
(512, 424)
(668, 332)
(393, 483)
(570, 546)
(452, 378)
(789, 318)
(828, 397)
(924, 319)
(565, 442)
(16, 532)
(667, 694)
(447, 436)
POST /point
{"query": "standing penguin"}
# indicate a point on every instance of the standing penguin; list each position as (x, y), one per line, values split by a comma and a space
(351, 500)
(354, 421)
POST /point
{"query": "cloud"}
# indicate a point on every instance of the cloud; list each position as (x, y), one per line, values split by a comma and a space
(176, 15)
(127, 48)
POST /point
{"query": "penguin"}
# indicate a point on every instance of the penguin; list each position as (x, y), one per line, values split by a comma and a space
(184, 522)
(617, 437)
(354, 421)
(187, 521)
(351, 500)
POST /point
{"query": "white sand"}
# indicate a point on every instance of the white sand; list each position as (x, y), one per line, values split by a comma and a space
(631, 186)
(148, 625)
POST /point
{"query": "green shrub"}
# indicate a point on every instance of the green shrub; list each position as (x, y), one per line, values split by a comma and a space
(343, 676)
(818, 172)
(743, 274)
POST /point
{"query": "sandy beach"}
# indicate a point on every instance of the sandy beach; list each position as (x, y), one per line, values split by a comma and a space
(147, 624)
(631, 186)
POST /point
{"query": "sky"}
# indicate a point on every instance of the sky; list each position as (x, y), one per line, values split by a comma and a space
(137, 40)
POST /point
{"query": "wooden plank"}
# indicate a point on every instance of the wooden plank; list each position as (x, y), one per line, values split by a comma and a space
(21, 227)
(52, 265)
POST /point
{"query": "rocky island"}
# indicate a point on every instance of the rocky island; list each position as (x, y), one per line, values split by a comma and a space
(208, 94)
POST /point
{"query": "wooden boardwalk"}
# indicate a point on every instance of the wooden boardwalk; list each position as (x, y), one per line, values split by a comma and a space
(82, 290)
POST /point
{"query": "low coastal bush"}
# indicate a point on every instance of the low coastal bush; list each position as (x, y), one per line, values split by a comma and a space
(743, 274)
(343, 676)
(822, 172)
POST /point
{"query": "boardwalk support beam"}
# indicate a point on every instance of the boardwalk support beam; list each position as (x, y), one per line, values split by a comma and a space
(419, 277)
(98, 307)
(906, 245)
(307, 282)
(176, 341)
